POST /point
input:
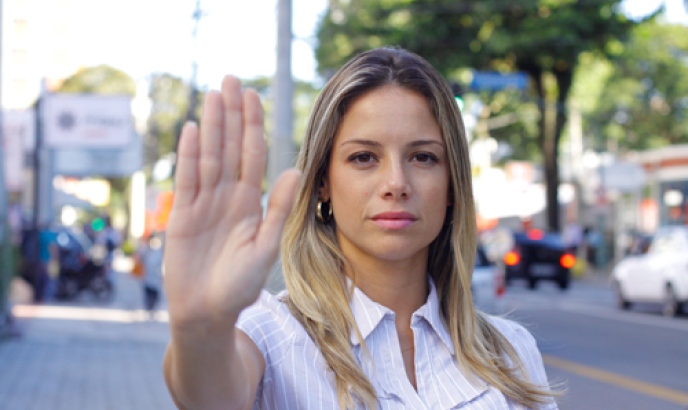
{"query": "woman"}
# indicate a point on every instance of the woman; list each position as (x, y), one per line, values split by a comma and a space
(377, 255)
(150, 256)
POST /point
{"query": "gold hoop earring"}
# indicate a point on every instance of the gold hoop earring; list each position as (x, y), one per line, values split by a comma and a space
(326, 216)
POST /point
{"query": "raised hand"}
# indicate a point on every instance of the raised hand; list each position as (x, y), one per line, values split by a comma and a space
(218, 248)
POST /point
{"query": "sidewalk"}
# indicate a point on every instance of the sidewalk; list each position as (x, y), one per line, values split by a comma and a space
(84, 355)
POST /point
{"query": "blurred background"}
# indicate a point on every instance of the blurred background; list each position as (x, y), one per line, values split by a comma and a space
(576, 114)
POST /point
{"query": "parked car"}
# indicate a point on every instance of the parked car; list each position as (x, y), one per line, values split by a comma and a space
(657, 273)
(539, 256)
(487, 285)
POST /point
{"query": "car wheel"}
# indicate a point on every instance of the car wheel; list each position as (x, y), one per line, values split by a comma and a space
(670, 307)
(621, 301)
(532, 284)
(564, 283)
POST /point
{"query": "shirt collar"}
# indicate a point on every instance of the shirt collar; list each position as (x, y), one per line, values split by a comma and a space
(431, 312)
(368, 314)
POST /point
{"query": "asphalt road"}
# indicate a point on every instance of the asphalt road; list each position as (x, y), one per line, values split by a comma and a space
(606, 358)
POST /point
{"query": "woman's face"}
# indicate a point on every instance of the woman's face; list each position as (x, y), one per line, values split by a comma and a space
(388, 178)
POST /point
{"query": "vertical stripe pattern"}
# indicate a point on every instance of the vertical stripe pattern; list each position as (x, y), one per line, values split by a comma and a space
(296, 375)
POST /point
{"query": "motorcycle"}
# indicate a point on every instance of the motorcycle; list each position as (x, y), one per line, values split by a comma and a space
(89, 273)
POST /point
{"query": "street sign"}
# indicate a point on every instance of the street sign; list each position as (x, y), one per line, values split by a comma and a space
(495, 81)
(87, 120)
(623, 177)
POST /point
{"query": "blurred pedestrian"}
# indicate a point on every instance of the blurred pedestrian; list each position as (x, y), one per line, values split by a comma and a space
(110, 240)
(150, 255)
(378, 249)
(49, 266)
(572, 236)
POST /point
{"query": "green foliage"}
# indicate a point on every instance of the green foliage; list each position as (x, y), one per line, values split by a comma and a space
(101, 79)
(641, 94)
(169, 97)
(543, 38)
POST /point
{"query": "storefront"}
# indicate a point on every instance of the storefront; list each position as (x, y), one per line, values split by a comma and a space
(667, 185)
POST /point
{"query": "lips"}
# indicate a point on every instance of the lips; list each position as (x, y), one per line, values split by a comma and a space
(394, 220)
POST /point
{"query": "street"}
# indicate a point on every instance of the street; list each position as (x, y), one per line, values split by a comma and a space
(608, 359)
(81, 355)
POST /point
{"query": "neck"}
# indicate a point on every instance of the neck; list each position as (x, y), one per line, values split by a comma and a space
(401, 287)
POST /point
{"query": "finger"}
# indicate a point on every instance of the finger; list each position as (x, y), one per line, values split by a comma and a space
(212, 131)
(254, 149)
(231, 97)
(280, 203)
(186, 173)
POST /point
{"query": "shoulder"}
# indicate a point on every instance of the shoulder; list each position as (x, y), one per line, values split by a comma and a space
(513, 331)
(525, 346)
(269, 323)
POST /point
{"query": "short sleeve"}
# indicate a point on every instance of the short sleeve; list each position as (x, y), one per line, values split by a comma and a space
(526, 347)
(263, 322)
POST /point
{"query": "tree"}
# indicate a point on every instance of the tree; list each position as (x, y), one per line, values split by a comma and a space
(169, 96)
(542, 38)
(101, 79)
(641, 97)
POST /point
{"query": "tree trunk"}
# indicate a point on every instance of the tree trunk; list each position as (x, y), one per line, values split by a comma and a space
(551, 147)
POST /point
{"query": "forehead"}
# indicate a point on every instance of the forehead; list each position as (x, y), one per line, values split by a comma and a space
(389, 110)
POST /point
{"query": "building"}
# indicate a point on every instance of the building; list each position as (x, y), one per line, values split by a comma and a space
(37, 44)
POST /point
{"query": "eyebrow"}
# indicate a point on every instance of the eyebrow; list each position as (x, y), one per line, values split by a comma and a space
(370, 143)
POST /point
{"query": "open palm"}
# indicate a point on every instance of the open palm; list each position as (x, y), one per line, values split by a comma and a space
(219, 249)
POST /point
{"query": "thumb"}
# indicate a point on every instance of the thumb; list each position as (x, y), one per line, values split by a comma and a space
(280, 203)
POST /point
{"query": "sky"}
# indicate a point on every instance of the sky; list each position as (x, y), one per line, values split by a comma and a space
(234, 36)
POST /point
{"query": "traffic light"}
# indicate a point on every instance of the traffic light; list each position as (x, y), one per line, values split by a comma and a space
(457, 90)
(97, 224)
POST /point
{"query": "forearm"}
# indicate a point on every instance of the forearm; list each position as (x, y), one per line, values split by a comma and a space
(205, 370)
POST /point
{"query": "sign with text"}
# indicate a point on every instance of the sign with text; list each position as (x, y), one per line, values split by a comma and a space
(86, 120)
(495, 81)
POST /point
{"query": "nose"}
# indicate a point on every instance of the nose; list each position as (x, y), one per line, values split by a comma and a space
(396, 181)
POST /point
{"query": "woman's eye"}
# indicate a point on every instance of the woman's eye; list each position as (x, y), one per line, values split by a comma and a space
(425, 157)
(361, 158)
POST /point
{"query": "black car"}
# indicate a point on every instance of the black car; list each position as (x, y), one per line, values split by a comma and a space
(538, 256)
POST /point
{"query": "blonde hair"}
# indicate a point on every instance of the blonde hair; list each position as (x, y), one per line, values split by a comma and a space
(318, 295)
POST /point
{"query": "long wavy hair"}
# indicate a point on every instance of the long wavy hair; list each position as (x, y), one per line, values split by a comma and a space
(318, 294)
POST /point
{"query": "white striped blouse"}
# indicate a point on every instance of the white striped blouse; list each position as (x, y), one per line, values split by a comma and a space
(297, 377)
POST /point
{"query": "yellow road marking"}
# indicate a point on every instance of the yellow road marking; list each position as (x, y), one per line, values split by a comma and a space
(590, 372)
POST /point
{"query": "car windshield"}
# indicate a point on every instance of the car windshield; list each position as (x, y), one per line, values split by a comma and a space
(551, 239)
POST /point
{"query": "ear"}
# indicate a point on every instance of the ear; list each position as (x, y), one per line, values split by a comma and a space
(324, 189)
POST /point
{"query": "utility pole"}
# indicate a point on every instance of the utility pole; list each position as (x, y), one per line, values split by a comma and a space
(193, 87)
(281, 147)
(7, 265)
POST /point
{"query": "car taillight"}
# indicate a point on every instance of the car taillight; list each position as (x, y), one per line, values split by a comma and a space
(567, 261)
(535, 234)
(512, 258)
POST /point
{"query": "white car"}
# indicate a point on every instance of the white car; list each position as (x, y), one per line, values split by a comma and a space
(657, 273)
(487, 285)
